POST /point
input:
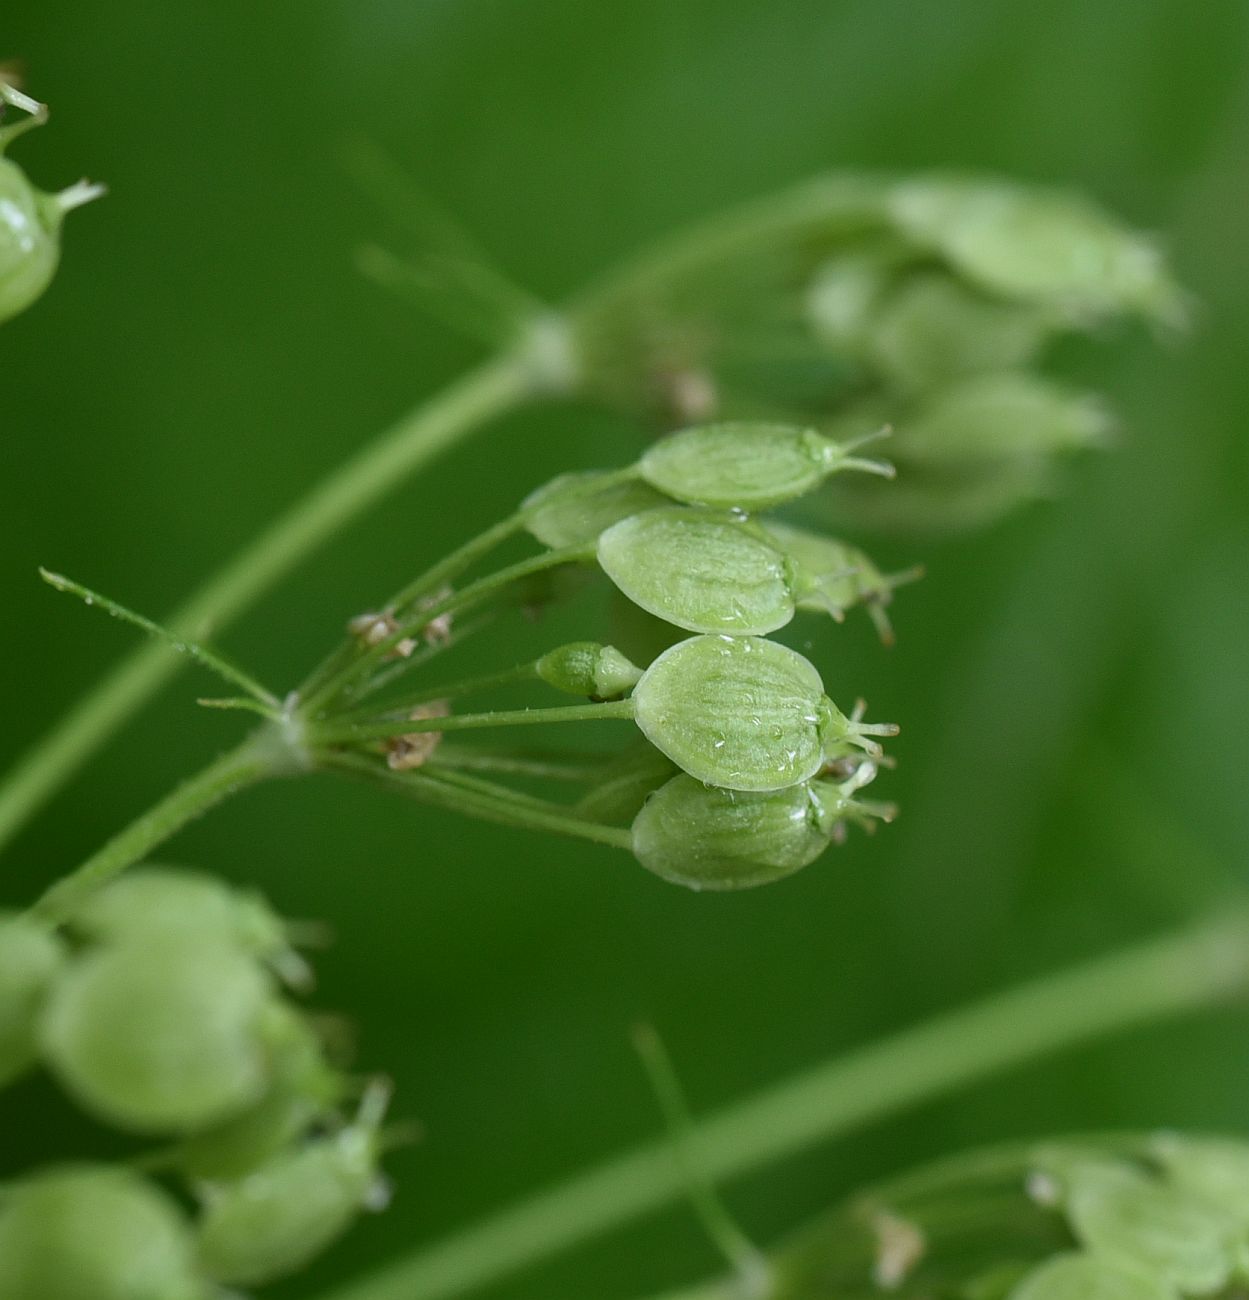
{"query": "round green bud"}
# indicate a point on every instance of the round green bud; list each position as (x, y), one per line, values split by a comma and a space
(94, 1233)
(30, 244)
(932, 329)
(160, 1036)
(704, 837)
(745, 466)
(702, 571)
(1038, 245)
(573, 509)
(275, 1220)
(588, 668)
(1215, 1170)
(148, 902)
(1079, 1276)
(303, 1088)
(743, 713)
(30, 957)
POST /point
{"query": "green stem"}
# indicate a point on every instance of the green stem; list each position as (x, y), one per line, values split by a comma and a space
(492, 389)
(504, 808)
(542, 767)
(255, 759)
(453, 603)
(1164, 977)
(334, 735)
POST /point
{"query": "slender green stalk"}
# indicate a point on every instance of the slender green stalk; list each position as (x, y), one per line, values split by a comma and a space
(487, 392)
(453, 603)
(1164, 977)
(502, 807)
(556, 767)
(361, 731)
(252, 761)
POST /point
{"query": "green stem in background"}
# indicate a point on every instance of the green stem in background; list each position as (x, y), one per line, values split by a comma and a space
(487, 392)
(1181, 972)
(255, 759)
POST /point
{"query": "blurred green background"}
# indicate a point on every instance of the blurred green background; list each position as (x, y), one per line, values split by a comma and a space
(1072, 685)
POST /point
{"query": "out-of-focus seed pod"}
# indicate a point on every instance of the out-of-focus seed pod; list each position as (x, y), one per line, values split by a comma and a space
(1040, 245)
(932, 330)
(94, 1233)
(150, 902)
(746, 466)
(275, 1220)
(1215, 1170)
(703, 571)
(573, 509)
(743, 713)
(1120, 1211)
(303, 1088)
(161, 1036)
(588, 668)
(1080, 1276)
(30, 957)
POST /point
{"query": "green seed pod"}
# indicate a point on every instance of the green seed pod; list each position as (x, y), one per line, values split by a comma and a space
(1120, 1212)
(1215, 1170)
(303, 1088)
(1079, 1276)
(743, 713)
(94, 1233)
(705, 837)
(573, 509)
(587, 668)
(148, 902)
(30, 957)
(274, 1221)
(1038, 245)
(702, 571)
(834, 576)
(160, 1036)
(1001, 417)
(933, 329)
(746, 466)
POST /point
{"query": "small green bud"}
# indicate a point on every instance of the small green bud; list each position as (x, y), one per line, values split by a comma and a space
(573, 509)
(702, 571)
(1001, 417)
(1038, 245)
(94, 1233)
(743, 713)
(587, 668)
(1212, 1169)
(160, 1035)
(1079, 1276)
(303, 1088)
(275, 1220)
(30, 957)
(933, 329)
(746, 466)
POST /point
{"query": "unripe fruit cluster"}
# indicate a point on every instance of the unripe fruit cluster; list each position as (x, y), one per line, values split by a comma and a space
(160, 1010)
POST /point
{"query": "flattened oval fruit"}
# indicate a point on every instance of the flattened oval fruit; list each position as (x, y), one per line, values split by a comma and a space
(574, 509)
(750, 466)
(704, 837)
(1089, 1277)
(737, 712)
(702, 571)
